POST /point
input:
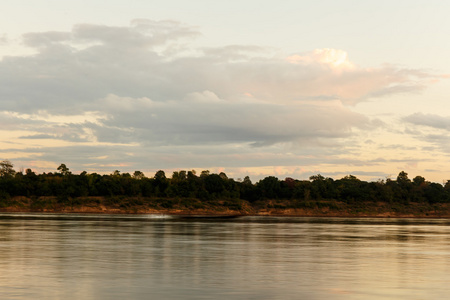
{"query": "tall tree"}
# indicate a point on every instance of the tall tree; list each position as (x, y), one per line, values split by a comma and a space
(138, 175)
(6, 169)
(64, 170)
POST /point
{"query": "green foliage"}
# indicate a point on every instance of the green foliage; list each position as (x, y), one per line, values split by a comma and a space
(138, 175)
(6, 169)
(186, 189)
(64, 170)
(270, 187)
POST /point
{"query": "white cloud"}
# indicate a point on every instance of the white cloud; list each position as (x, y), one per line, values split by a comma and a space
(336, 59)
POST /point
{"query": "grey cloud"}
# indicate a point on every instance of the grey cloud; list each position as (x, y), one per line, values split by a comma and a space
(429, 120)
(38, 136)
(429, 148)
(181, 106)
(45, 39)
(395, 160)
(141, 33)
(397, 147)
(12, 122)
(107, 158)
(59, 77)
(72, 137)
(440, 141)
(399, 89)
(432, 170)
(209, 120)
(432, 129)
(235, 52)
(130, 62)
(4, 39)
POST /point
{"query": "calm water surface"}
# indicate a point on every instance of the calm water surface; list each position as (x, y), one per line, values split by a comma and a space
(161, 257)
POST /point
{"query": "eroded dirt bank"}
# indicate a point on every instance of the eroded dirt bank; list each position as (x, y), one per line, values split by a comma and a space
(300, 208)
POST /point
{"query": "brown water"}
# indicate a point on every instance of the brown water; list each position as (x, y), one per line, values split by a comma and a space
(154, 257)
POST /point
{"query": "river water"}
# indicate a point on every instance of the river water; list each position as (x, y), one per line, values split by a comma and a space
(56, 256)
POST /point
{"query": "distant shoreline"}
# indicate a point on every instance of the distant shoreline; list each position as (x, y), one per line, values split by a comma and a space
(223, 216)
(225, 208)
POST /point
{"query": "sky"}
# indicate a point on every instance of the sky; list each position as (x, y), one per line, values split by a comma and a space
(257, 88)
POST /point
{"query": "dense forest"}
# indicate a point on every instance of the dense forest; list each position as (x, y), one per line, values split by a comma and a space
(207, 186)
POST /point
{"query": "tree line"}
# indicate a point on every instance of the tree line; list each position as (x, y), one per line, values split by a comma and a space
(208, 186)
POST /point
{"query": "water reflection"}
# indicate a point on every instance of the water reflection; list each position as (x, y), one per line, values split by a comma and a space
(141, 257)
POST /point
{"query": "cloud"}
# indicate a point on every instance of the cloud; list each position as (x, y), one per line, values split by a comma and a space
(3, 39)
(204, 118)
(93, 61)
(144, 89)
(45, 39)
(336, 59)
(199, 119)
(432, 129)
(142, 33)
(39, 136)
(429, 120)
(235, 52)
(331, 75)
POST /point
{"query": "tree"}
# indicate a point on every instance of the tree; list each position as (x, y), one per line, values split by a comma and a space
(182, 175)
(350, 177)
(214, 183)
(6, 169)
(287, 187)
(402, 178)
(418, 180)
(64, 170)
(160, 175)
(317, 177)
(223, 176)
(405, 185)
(321, 187)
(351, 188)
(160, 183)
(175, 176)
(435, 192)
(138, 175)
(447, 185)
(191, 175)
(247, 181)
(248, 191)
(30, 172)
(270, 187)
(419, 185)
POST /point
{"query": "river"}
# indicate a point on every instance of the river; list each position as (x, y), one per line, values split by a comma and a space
(56, 256)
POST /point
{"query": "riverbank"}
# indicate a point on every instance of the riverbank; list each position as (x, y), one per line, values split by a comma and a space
(294, 208)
